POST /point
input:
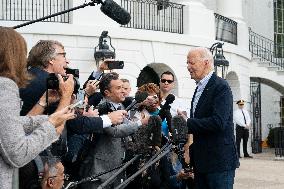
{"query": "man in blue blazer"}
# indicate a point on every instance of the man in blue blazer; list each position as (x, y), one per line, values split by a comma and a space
(214, 153)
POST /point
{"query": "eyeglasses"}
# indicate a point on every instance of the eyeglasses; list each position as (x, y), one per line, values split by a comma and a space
(166, 80)
(62, 53)
(65, 177)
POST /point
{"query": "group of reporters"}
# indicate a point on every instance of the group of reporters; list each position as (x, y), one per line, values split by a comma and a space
(90, 142)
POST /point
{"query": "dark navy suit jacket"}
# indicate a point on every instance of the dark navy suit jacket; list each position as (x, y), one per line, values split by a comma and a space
(214, 149)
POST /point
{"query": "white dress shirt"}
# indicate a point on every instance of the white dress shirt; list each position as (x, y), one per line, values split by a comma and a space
(200, 88)
(239, 117)
(180, 104)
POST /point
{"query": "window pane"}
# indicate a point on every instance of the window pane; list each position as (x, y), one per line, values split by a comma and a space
(279, 2)
(279, 14)
(279, 30)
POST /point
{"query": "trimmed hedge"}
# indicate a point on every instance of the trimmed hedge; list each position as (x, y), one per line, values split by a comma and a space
(273, 135)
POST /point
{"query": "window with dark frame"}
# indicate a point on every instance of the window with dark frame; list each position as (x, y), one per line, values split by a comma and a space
(279, 28)
(282, 111)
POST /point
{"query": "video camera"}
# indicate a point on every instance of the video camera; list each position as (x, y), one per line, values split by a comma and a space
(52, 81)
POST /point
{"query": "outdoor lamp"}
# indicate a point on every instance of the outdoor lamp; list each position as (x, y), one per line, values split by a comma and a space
(102, 50)
(220, 63)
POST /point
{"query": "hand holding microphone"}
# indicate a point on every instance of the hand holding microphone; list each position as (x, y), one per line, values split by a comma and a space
(145, 120)
(117, 116)
(182, 114)
(139, 97)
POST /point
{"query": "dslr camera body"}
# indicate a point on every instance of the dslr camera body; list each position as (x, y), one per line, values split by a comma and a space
(52, 81)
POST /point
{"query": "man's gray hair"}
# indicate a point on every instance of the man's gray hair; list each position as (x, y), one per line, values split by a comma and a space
(43, 52)
(205, 54)
(50, 164)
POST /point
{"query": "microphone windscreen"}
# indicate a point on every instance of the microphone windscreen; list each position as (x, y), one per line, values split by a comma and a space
(170, 98)
(179, 129)
(147, 136)
(155, 124)
(128, 100)
(104, 108)
(141, 96)
(115, 12)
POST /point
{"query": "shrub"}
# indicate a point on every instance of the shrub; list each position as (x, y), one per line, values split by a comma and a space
(273, 136)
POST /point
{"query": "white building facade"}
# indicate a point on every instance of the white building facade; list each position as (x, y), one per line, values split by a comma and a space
(163, 50)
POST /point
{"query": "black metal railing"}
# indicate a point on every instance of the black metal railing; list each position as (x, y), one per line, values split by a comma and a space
(25, 10)
(265, 49)
(255, 93)
(158, 15)
(226, 29)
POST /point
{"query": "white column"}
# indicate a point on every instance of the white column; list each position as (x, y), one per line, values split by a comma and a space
(196, 2)
(233, 10)
(230, 8)
(198, 20)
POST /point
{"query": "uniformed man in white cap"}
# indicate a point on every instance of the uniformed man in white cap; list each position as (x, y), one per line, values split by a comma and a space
(243, 122)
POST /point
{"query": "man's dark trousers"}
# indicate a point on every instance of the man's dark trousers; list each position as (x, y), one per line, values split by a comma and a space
(242, 133)
(224, 180)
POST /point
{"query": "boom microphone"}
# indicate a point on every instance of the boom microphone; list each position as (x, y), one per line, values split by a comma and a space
(179, 129)
(139, 97)
(115, 12)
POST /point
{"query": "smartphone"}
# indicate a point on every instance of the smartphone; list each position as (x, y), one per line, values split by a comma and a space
(76, 104)
(80, 96)
(115, 64)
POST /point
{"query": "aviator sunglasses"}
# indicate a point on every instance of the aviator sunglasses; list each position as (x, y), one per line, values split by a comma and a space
(166, 80)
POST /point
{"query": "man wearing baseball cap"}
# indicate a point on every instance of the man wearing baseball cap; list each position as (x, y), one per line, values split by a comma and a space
(243, 122)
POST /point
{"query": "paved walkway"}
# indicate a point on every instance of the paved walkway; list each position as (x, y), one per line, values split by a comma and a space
(261, 172)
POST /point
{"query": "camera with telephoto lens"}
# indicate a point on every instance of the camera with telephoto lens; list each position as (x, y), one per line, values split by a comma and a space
(52, 81)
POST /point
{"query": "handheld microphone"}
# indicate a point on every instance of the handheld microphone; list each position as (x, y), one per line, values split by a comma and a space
(147, 136)
(139, 97)
(165, 112)
(115, 12)
(128, 100)
(166, 107)
(155, 127)
(169, 100)
(180, 137)
(179, 129)
(105, 108)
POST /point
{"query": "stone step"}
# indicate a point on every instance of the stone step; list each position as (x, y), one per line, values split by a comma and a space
(256, 59)
(280, 72)
(273, 68)
(263, 64)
